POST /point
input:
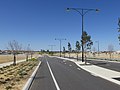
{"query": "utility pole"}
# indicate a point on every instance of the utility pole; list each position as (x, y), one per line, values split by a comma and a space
(60, 40)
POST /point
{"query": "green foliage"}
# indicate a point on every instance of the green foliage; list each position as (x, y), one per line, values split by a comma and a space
(33, 59)
(9, 87)
(51, 53)
(86, 40)
(78, 46)
(119, 28)
(2, 81)
(22, 72)
(119, 37)
(69, 47)
(63, 49)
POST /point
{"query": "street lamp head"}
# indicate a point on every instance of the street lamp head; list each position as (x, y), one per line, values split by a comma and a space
(68, 9)
(97, 10)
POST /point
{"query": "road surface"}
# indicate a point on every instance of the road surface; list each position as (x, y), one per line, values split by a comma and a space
(59, 74)
(106, 64)
(112, 65)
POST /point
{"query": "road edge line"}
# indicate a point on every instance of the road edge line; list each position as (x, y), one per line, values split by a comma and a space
(30, 80)
(55, 82)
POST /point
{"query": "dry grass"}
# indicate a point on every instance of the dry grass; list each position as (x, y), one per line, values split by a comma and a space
(9, 58)
(90, 55)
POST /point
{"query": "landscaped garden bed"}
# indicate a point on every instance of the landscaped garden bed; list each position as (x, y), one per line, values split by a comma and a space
(14, 77)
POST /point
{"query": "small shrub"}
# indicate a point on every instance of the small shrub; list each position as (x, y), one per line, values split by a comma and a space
(1, 69)
(1, 72)
(12, 84)
(2, 81)
(8, 87)
(33, 59)
(17, 79)
(7, 79)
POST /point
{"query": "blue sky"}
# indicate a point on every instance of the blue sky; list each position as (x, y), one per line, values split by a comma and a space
(39, 22)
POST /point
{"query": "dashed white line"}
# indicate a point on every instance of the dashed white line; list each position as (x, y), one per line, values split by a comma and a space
(94, 74)
(78, 68)
(56, 84)
(63, 60)
(70, 65)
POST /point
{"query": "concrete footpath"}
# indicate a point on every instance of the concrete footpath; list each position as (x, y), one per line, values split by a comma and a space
(97, 71)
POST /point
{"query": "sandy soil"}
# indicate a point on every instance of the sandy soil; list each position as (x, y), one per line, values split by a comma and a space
(91, 55)
(9, 58)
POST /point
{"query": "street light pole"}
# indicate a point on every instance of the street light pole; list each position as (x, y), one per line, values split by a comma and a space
(27, 55)
(98, 47)
(82, 12)
(59, 39)
(51, 47)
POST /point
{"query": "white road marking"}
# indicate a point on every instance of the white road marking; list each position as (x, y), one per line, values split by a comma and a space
(94, 74)
(64, 63)
(63, 60)
(70, 65)
(56, 84)
(78, 68)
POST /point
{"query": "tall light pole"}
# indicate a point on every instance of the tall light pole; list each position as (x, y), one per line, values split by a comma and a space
(98, 47)
(51, 47)
(60, 40)
(28, 49)
(82, 12)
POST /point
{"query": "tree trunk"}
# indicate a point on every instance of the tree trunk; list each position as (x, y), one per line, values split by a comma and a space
(27, 57)
(14, 63)
(31, 56)
(77, 56)
(85, 59)
(69, 54)
(110, 55)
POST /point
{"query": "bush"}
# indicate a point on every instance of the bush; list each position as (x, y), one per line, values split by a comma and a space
(8, 87)
(33, 59)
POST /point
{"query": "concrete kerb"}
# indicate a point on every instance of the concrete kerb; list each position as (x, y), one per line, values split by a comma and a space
(30, 80)
(97, 71)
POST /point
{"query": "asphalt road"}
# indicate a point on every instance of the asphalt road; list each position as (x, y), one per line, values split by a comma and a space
(67, 76)
(105, 64)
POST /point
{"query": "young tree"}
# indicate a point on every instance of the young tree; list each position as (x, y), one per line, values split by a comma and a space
(119, 28)
(110, 50)
(15, 48)
(31, 52)
(27, 52)
(69, 48)
(77, 48)
(64, 51)
(86, 41)
(94, 52)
